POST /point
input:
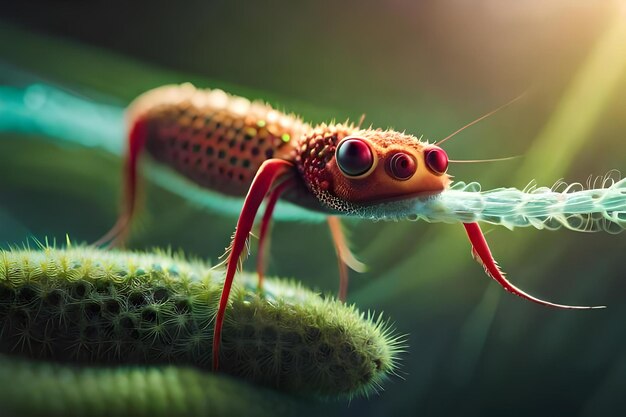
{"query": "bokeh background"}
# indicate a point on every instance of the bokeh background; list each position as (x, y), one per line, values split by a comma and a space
(427, 67)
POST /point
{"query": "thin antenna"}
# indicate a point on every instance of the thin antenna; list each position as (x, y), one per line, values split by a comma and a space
(479, 119)
(472, 161)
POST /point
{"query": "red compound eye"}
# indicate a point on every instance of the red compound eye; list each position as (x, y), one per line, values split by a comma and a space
(436, 160)
(354, 157)
(402, 166)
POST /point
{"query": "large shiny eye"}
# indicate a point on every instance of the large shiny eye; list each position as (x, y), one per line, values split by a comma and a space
(436, 160)
(354, 157)
(402, 166)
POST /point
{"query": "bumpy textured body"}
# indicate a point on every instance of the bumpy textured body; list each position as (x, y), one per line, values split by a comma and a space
(220, 141)
(216, 140)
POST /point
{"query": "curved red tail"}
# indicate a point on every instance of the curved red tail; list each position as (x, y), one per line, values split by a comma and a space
(483, 255)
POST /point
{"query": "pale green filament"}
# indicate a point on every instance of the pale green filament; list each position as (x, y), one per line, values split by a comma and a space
(575, 208)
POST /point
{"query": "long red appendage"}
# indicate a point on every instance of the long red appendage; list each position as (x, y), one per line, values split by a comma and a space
(118, 233)
(345, 258)
(265, 177)
(481, 250)
(343, 279)
(264, 238)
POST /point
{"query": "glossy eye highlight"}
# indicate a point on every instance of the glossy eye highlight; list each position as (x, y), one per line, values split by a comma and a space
(402, 166)
(436, 160)
(354, 157)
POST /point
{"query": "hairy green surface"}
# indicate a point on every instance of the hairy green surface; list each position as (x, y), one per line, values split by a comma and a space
(32, 388)
(85, 306)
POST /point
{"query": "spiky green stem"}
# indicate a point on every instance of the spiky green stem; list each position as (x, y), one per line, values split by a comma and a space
(88, 307)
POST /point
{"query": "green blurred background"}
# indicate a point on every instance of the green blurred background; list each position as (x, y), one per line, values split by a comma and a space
(427, 67)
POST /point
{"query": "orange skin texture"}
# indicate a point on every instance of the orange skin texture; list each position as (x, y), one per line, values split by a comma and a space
(217, 147)
(378, 185)
(319, 169)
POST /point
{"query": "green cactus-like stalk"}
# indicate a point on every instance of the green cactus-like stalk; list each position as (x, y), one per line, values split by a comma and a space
(42, 388)
(114, 311)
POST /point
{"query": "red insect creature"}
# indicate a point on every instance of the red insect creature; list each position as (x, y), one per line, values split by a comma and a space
(242, 148)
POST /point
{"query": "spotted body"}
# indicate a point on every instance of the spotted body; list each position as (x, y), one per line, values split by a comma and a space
(214, 139)
(220, 141)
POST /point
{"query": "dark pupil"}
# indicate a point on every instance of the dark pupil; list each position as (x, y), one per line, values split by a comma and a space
(402, 166)
(354, 157)
(437, 161)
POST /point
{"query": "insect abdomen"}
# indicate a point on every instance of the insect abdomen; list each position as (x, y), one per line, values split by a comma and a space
(216, 140)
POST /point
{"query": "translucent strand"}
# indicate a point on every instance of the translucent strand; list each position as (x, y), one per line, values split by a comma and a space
(563, 206)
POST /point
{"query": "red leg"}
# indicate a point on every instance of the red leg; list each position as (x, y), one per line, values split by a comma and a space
(345, 257)
(265, 177)
(481, 251)
(264, 238)
(344, 277)
(118, 233)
